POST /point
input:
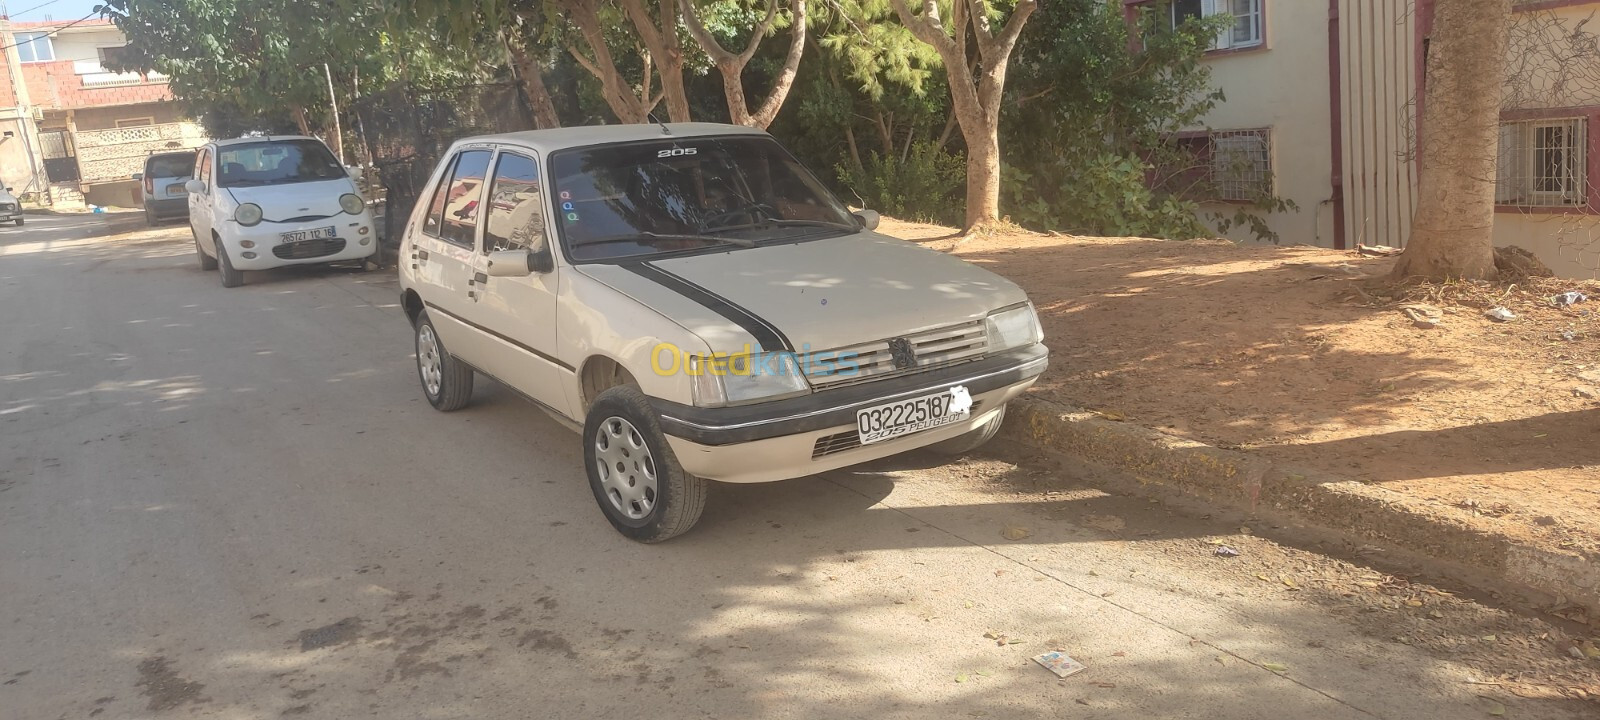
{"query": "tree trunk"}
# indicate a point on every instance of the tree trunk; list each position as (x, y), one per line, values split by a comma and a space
(1452, 232)
(619, 96)
(731, 66)
(666, 51)
(530, 79)
(300, 119)
(983, 175)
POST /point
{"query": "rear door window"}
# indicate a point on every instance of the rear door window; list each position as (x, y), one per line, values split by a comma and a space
(463, 193)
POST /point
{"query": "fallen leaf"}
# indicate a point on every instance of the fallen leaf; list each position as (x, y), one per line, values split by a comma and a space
(983, 673)
(1014, 641)
(961, 678)
(1414, 603)
(1104, 684)
(967, 604)
(1489, 638)
(1119, 653)
(1276, 667)
(1591, 651)
(1288, 582)
(1244, 530)
(1497, 709)
(1436, 614)
(1263, 577)
(1015, 532)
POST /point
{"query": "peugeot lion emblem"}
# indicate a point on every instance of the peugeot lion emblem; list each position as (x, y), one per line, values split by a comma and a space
(905, 356)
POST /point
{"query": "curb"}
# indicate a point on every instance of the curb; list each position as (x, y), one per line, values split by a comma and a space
(1474, 555)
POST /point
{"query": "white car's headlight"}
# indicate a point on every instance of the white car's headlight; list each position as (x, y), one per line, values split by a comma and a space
(248, 214)
(1013, 327)
(744, 378)
(352, 203)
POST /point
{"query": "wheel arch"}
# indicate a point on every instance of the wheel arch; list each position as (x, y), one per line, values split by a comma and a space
(411, 302)
(600, 373)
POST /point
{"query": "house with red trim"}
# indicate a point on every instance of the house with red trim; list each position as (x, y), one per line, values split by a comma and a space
(72, 131)
(1323, 101)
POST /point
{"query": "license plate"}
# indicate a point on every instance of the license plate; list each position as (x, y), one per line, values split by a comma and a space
(903, 417)
(312, 234)
(176, 191)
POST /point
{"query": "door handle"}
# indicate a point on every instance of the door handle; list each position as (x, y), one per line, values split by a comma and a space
(482, 278)
(422, 255)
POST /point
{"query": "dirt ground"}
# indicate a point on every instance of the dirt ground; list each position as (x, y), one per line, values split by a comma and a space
(1303, 355)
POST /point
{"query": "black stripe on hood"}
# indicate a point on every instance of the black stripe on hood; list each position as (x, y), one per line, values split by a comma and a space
(766, 334)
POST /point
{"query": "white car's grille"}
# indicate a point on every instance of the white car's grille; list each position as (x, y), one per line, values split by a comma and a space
(875, 360)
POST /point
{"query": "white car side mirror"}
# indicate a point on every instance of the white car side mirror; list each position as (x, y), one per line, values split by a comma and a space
(867, 218)
(510, 263)
(195, 187)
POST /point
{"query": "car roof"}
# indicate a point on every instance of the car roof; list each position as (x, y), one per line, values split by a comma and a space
(259, 139)
(547, 141)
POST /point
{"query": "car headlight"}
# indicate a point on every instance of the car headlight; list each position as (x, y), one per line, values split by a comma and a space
(1013, 327)
(743, 378)
(352, 203)
(248, 214)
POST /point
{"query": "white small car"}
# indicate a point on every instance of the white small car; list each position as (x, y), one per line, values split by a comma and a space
(10, 208)
(264, 202)
(703, 309)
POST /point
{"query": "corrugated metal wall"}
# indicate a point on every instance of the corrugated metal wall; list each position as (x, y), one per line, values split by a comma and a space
(1377, 78)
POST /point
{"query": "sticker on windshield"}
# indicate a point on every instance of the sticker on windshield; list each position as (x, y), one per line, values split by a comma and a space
(676, 152)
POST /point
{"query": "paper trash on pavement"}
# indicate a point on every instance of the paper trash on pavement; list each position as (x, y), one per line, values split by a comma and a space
(1060, 663)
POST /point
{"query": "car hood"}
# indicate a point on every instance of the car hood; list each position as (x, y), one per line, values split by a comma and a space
(293, 200)
(819, 295)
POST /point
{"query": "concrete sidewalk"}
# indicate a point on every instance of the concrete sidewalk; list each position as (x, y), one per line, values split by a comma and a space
(1408, 526)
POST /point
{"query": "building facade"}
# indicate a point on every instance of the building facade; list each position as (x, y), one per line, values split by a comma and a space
(1323, 105)
(73, 131)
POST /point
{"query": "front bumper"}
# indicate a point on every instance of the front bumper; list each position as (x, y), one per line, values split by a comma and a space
(803, 436)
(267, 239)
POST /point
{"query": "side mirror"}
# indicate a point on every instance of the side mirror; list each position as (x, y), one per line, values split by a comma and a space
(510, 263)
(867, 218)
(138, 176)
(8, 189)
(195, 187)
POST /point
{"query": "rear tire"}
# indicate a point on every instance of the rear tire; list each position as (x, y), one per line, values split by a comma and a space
(971, 439)
(446, 381)
(149, 217)
(231, 278)
(637, 481)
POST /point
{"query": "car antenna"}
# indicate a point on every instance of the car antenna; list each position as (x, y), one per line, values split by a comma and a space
(664, 129)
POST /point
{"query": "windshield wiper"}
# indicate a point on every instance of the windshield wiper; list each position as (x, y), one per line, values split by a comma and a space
(777, 222)
(646, 238)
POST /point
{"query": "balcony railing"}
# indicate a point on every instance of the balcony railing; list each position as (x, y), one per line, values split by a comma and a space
(118, 153)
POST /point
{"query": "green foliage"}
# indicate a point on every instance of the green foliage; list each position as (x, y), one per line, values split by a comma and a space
(1102, 123)
(924, 184)
(1105, 194)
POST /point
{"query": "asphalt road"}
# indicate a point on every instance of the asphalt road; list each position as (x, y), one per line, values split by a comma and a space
(237, 504)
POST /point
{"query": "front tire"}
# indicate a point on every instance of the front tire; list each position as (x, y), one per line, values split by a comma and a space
(19, 222)
(971, 439)
(207, 263)
(637, 481)
(446, 381)
(231, 278)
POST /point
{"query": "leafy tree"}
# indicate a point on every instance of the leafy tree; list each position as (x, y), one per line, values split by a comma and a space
(977, 82)
(732, 65)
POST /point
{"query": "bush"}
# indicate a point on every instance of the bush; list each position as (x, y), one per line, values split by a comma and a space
(925, 186)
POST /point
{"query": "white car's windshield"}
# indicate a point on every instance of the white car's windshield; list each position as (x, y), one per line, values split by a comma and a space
(276, 162)
(171, 166)
(672, 195)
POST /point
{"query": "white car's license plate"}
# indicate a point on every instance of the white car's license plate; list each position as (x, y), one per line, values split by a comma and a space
(312, 234)
(176, 191)
(903, 417)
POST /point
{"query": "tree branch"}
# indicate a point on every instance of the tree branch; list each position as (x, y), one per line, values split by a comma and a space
(698, 31)
(759, 34)
(781, 85)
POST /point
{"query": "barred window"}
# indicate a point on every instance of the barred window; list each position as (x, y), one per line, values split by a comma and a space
(1542, 163)
(1241, 164)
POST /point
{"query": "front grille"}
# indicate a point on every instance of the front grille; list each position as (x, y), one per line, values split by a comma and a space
(308, 249)
(851, 439)
(934, 348)
(7, 207)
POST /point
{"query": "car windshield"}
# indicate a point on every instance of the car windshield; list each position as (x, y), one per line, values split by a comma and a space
(669, 195)
(171, 166)
(276, 162)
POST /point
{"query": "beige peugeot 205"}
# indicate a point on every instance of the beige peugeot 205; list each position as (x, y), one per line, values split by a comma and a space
(703, 309)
